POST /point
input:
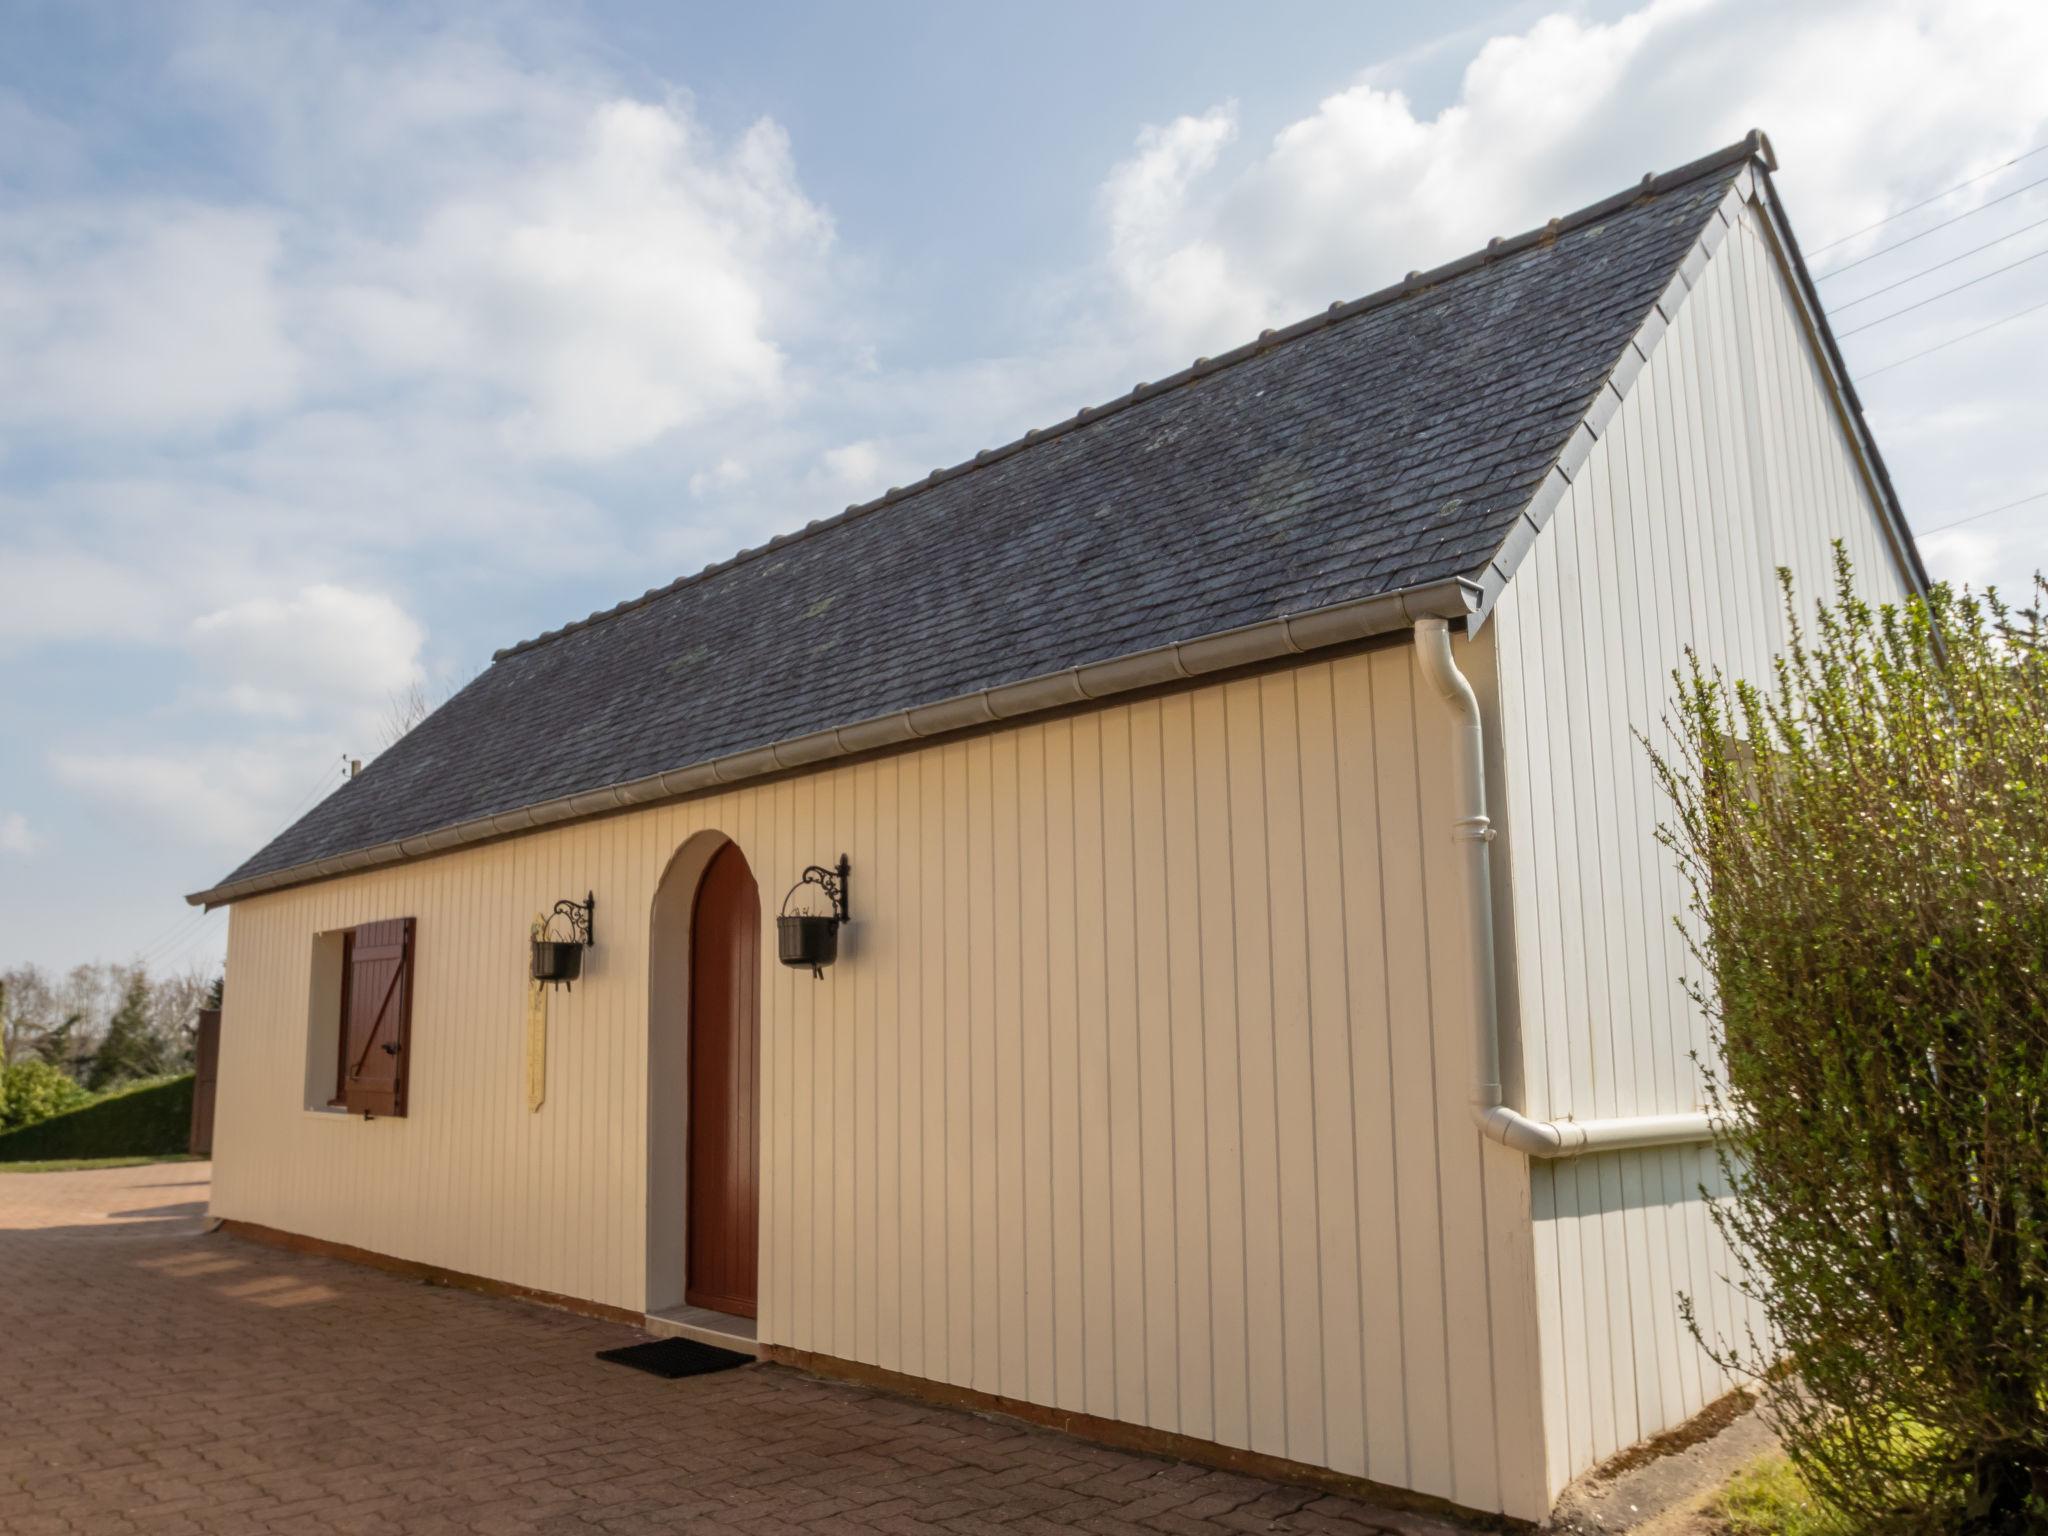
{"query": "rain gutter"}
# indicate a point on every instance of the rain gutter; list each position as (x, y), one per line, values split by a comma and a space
(1270, 639)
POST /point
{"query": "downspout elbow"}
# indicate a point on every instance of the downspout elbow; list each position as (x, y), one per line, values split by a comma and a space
(1473, 831)
(1535, 1138)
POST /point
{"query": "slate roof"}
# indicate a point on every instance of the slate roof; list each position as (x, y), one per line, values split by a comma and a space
(1386, 445)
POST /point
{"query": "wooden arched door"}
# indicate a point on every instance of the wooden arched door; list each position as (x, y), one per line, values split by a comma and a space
(725, 1088)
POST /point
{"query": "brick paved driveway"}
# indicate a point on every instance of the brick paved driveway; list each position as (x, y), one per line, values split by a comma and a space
(159, 1379)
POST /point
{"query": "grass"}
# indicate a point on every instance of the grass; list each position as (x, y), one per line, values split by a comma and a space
(1770, 1498)
(79, 1164)
(146, 1120)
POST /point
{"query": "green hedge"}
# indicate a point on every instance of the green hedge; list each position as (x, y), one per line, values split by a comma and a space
(147, 1120)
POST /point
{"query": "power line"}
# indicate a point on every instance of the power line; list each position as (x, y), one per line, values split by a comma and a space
(1923, 303)
(179, 934)
(178, 938)
(1924, 271)
(312, 791)
(171, 938)
(177, 929)
(177, 944)
(1928, 201)
(167, 954)
(1914, 357)
(1967, 213)
(207, 933)
(1988, 511)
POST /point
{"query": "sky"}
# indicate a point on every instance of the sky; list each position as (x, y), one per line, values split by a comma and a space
(342, 345)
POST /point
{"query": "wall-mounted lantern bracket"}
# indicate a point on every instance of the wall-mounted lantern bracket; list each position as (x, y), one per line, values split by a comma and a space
(558, 962)
(832, 882)
(581, 917)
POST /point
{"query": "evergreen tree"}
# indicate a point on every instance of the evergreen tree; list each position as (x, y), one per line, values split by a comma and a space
(130, 1048)
(59, 1046)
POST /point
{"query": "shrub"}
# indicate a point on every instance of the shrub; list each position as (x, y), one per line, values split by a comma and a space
(148, 1119)
(34, 1090)
(1866, 841)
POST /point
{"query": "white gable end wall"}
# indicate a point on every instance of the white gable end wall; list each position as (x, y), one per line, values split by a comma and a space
(1728, 457)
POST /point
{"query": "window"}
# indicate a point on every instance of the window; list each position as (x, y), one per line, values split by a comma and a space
(359, 1030)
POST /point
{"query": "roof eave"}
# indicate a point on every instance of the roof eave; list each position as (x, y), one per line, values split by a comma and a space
(1314, 629)
(1814, 315)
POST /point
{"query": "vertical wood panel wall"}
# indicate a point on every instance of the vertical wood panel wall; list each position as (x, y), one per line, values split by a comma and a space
(1138, 1089)
(1727, 460)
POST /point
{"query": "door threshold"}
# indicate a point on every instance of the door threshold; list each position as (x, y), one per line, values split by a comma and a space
(723, 1329)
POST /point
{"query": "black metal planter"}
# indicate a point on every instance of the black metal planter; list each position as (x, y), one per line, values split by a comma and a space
(810, 940)
(557, 960)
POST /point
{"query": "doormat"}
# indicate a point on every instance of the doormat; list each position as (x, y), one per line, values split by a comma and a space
(671, 1358)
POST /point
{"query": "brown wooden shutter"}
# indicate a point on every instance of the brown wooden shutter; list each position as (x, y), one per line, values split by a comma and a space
(205, 1081)
(377, 1031)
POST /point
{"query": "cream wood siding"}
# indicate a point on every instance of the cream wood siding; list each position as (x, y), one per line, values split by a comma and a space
(1727, 459)
(1138, 1089)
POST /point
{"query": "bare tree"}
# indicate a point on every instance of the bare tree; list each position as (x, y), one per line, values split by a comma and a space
(413, 703)
(64, 1024)
(405, 709)
(28, 1012)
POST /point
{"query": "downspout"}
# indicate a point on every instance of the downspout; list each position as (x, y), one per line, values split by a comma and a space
(1472, 831)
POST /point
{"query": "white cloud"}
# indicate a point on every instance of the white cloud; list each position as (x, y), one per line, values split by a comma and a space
(55, 594)
(588, 299)
(35, 149)
(147, 317)
(583, 269)
(1964, 557)
(458, 266)
(324, 650)
(611, 294)
(855, 468)
(1181, 277)
(1867, 105)
(17, 836)
(722, 476)
(225, 799)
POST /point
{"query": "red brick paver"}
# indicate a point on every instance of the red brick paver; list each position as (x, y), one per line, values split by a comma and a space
(159, 1379)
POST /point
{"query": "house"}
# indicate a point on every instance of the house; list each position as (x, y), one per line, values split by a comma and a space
(1257, 1030)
